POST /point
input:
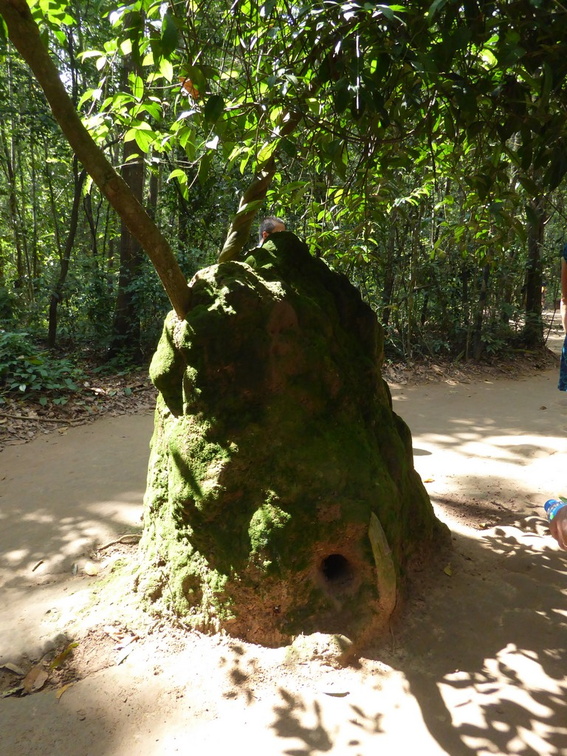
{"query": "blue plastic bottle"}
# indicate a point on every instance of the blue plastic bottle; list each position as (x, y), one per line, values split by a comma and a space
(552, 507)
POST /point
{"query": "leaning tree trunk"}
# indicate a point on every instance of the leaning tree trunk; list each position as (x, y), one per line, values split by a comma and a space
(281, 496)
(24, 35)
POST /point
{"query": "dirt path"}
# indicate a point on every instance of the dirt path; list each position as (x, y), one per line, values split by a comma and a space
(478, 666)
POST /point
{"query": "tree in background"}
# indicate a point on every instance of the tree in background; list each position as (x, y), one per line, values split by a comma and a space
(419, 135)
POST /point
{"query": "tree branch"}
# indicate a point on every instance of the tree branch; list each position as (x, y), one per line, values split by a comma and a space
(253, 198)
(24, 35)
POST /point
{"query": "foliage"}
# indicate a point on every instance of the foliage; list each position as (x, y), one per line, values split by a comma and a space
(25, 369)
(410, 142)
(8, 306)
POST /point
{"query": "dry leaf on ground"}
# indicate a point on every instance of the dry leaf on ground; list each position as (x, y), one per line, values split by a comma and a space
(35, 679)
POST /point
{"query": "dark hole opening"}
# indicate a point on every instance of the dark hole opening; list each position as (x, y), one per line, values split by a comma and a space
(337, 570)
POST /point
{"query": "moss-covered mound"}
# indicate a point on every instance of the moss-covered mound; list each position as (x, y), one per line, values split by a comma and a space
(277, 463)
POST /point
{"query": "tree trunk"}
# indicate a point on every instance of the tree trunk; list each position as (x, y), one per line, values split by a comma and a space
(477, 343)
(533, 327)
(57, 292)
(126, 324)
(125, 338)
(389, 276)
(154, 193)
(253, 198)
(13, 208)
(92, 223)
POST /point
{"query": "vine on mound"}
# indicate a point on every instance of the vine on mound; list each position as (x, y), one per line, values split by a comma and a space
(281, 492)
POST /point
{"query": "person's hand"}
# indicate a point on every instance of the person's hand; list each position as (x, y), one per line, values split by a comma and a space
(558, 528)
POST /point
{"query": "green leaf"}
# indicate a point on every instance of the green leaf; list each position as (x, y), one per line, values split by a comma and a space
(169, 35)
(142, 134)
(510, 54)
(557, 169)
(214, 108)
(152, 108)
(166, 69)
(186, 137)
(137, 87)
(531, 215)
(144, 140)
(204, 165)
(288, 147)
(342, 96)
(266, 151)
(434, 7)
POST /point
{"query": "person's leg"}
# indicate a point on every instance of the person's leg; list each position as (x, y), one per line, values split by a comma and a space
(563, 368)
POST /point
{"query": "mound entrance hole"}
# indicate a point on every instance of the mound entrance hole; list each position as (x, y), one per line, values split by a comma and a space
(337, 573)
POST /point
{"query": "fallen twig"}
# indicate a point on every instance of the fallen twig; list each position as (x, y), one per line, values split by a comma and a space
(126, 538)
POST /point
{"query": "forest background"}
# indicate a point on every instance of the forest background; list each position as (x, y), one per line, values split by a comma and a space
(419, 148)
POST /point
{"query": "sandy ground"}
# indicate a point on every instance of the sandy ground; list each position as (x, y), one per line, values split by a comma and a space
(476, 664)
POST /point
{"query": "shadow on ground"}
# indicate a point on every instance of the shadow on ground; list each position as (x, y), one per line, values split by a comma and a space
(476, 664)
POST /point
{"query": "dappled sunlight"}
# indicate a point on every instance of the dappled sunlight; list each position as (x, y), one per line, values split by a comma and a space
(528, 465)
(475, 667)
(14, 558)
(482, 445)
(123, 510)
(525, 717)
(60, 500)
(493, 440)
(45, 544)
(487, 663)
(62, 497)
